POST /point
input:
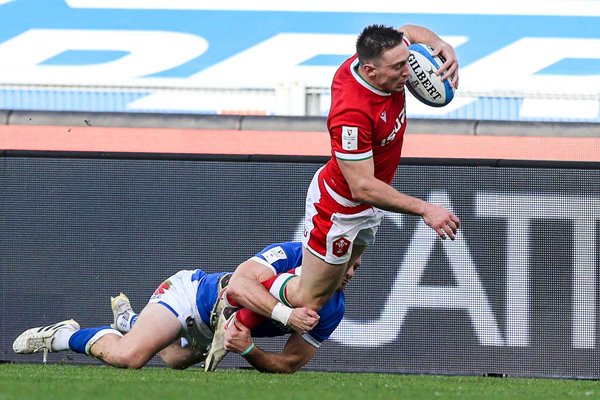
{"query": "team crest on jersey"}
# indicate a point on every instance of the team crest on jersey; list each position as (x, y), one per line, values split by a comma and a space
(341, 247)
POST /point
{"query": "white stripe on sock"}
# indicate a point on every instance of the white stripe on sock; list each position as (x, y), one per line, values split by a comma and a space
(98, 335)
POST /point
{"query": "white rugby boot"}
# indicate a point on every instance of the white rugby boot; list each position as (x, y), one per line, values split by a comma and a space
(122, 313)
(221, 302)
(220, 315)
(216, 350)
(41, 338)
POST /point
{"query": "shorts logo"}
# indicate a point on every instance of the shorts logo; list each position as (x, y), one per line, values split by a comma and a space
(163, 286)
(341, 246)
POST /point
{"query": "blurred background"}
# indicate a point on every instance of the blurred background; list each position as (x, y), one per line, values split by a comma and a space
(537, 60)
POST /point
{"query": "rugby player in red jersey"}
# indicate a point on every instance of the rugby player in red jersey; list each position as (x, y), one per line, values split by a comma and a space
(345, 199)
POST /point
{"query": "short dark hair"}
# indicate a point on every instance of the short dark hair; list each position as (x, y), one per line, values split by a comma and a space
(374, 39)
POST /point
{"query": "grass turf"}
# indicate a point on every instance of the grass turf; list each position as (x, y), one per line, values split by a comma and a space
(29, 381)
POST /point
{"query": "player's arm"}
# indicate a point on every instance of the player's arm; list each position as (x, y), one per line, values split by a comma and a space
(295, 354)
(365, 188)
(419, 34)
(245, 288)
(178, 357)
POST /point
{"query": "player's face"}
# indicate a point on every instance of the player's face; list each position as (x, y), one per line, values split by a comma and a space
(391, 69)
(349, 274)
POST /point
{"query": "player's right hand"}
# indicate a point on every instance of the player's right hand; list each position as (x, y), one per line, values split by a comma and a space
(237, 337)
(303, 320)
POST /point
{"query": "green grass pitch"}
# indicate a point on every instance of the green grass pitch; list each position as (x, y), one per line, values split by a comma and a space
(34, 381)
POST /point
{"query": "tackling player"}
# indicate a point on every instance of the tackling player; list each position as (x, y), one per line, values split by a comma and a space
(176, 323)
(345, 199)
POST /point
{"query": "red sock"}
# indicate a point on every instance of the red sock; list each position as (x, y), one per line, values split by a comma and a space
(250, 319)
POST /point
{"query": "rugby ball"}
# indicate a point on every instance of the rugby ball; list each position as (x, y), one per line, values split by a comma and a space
(423, 83)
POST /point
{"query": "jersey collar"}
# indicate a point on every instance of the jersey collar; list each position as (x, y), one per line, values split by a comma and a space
(363, 82)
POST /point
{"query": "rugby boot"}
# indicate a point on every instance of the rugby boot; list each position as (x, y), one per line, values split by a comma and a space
(40, 339)
(216, 350)
(122, 313)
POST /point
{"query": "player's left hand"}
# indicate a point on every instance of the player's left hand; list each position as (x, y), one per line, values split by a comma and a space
(237, 337)
(441, 220)
(449, 69)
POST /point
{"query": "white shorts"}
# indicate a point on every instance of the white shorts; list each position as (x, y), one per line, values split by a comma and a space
(178, 294)
(333, 224)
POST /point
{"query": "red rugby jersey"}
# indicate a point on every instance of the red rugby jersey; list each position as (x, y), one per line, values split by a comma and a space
(363, 122)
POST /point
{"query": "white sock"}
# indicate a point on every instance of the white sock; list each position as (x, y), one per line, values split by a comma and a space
(60, 342)
(278, 287)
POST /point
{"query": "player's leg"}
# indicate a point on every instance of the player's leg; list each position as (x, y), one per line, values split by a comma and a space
(158, 325)
(316, 284)
(336, 232)
(319, 279)
(334, 235)
(177, 295)
(341, 240)
(156, 328)
(180, 354)
(171, 311)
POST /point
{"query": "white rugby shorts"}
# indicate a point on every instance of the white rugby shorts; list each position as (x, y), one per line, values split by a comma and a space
(331, 225)
(178, 294)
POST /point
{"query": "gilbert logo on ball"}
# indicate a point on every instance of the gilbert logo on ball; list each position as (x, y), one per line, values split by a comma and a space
(423, 82)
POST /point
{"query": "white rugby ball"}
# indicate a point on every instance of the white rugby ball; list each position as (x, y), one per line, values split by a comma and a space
(423, 83)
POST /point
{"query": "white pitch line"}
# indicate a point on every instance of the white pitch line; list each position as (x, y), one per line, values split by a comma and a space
(583, 8)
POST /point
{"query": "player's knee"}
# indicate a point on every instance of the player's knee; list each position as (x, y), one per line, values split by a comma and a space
(132, 359)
